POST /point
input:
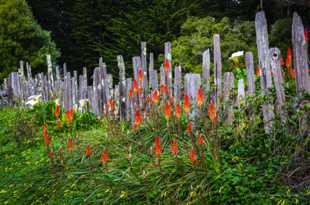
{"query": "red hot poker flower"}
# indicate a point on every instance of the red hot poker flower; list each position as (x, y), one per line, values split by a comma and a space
(88, 151)
(212, 112)
(70, 144)
(70, 115)
(130, 93)
(163, 89)
(178, 111)
(174, 147)
(140, 74)
(186, 104)
(288, 61)
(167, 111)
(192, 155)
(138, 118)
(189, 128)
(157, 140)
(157, 148)
(200, 139)
(166, 65)
(135, 86)
(57, 111)
(306, 34)
(58, 123)
(258, 71)
(45, 135)
(200, 97)
(104, 156)
(155, 96)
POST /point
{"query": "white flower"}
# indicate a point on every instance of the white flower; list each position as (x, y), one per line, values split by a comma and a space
(35, 97)
(56, 101)
(83, 102)
(236, 54)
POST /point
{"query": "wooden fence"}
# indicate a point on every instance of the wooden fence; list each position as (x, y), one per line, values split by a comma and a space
(132, 94)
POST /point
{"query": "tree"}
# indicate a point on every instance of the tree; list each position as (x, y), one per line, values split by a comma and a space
(21, 38)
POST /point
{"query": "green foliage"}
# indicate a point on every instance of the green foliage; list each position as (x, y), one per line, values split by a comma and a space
(197, 36)
(21, 38)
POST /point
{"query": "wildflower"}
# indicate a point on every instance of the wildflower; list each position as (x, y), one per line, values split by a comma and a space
(186, 104)
(292, 73)
(57, 111)
(166, 65)
(157, 147)
(258, 71)
(306, 34)
(174, 147)
(192, 155)
(155, 96)
(104, 156)
(70, 144)
(212, 112)
(189, 128)
(69, 115)
(33, 100)
(58, 123)
(178, 111)
(236, 54)
(167, 111)
(148, 99)
(138, 118)
(288, 61)
(163, 89)
(130, 93)
(45, 135)
(171, 100)
(200, 140)
(135, 86)
(140, 74)
(88, 151)
(200, 97)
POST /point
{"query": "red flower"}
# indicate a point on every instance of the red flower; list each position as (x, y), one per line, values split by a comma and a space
(45, 135)
(178, 111)
(155, 96)
(70, 115)
(258, 71)
(167, 111)
(70, 144)
(111, 105)
(135, 86)
(157, 146)
(292, 73)
(306, 34)
(138, 118)
(192, 155)
(104, 156)
(57, 111)
(163, 89)
(58, 123)
(174, 147)
(88, 151)
(130, 93)
(166, 65)
(189, 128)
(288, 61)
(140, 74)
(148, 99)
(200, 97)
(212, 112)
(200, 139)
(186, 104)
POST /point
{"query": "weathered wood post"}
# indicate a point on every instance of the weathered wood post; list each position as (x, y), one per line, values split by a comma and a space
(122, 87)
(206, 71)
(168, 60)
(191, 85)
(144, 65)
(177, 83)
(151, 68)
(249, 62)
(241, 92)
(278, 80)
(300, 54)
(217, 68)
(264, 63)
(228, 97)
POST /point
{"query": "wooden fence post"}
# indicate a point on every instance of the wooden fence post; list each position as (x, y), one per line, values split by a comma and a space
(177, 83)
(206, 71)
(227, 97)
(122, 87)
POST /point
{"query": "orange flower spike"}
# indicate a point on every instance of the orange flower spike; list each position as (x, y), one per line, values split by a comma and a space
(288, 61)
(167, 111)
(138, 118)
(88, 151)
(200, 97)
(45, 135)
(189, 128)
(140, 74)
(292, 73)
(104, 156)
(186, 104)
(135, 86)
(157, 148)
(148, 99)
(212, 112)
(69, 115)
(166, 65)
(163, 89)
(174, 147)
(57, 111)
(200, 139)
(178, 111)
(70, 144)
(192, 155)
(130, 93)
(258, 71)
(58, 123)
(155, 96)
